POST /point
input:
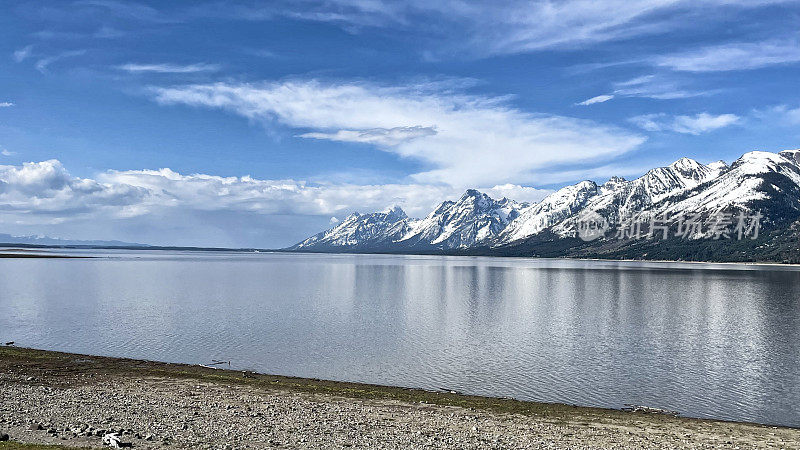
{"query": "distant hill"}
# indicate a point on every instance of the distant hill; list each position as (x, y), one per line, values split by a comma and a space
(650, 217)
(48, 241)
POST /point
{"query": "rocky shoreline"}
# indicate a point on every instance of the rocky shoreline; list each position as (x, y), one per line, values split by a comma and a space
(74, 400)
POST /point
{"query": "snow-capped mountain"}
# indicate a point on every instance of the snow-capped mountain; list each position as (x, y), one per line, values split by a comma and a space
(473, 220)
(758, 181)
(615, 199)
(361, 231)
(551, 211)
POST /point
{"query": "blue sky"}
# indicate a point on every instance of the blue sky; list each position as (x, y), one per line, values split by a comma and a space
(239, 123)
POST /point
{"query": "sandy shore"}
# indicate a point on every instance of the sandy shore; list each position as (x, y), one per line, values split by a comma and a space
(72, 400)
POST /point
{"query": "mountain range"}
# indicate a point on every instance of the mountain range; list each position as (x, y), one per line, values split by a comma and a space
(716, 195)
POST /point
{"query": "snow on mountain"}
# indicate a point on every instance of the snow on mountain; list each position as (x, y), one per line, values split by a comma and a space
(467, 222)
(756, 176)
(474, 219)
(682, 174)
(614, 200)
(757, 180)
(553, 209)
(718, 168)
(361, 230)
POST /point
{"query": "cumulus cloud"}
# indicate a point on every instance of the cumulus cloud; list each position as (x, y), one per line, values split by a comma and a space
(736, 56)
(598, 99)
(697, 124)
(169, 68)
(200, 191)
(44, 193)
(6, 104)
(6, 152)
(466, 140)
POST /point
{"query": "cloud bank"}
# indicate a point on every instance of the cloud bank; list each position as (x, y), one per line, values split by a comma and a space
(201, 209)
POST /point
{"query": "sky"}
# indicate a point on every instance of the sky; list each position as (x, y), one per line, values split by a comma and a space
(256, 124)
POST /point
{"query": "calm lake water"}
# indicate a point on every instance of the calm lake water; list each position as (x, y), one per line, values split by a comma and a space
(706, 340)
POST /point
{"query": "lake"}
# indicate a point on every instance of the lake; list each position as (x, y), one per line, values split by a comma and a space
(706, 340)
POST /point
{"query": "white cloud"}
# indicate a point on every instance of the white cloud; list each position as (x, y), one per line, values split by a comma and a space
(23, 53)
(44, 193)
(697, 124)
(379, 136)
(6, 104)
(737, 56)
(200, 191)
(477, 140)
(517, 192)
(599, 99)
(42, 64)
(169, 68)
(783, 115)
(5, 152)
(479, 27)
(659, 87)
(513, 26)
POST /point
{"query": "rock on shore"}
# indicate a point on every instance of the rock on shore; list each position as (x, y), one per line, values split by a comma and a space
(77, 407)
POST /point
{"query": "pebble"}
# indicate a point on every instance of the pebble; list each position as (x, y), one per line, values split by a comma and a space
(159, 412)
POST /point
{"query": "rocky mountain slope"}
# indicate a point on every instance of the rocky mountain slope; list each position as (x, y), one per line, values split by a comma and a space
(721, 198)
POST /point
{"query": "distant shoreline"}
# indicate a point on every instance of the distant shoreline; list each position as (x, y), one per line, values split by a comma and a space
(40, 256)
(550, 258)
(5, 247)
(176, 404)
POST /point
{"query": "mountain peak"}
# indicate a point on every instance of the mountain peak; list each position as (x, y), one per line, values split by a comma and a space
(395, 212)
(685, 164)
(472, 193)
(717, 165)
(613, 182)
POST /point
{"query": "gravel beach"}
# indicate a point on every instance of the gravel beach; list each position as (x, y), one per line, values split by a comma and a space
(73, 400)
